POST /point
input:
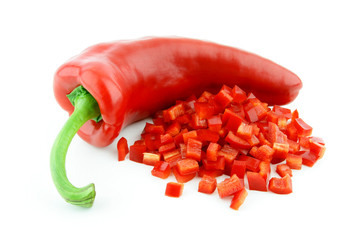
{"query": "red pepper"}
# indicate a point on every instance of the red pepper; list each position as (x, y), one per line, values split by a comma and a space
(125, 81)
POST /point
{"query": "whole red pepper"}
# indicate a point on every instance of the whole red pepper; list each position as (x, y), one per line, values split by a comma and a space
(130, 80)
(125, 81)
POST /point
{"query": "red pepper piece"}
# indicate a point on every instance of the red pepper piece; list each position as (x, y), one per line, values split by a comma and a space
(187, 135)
(252, 164)
(283, 169)
(281, 151)
(206, 135)
(245, 131)
(212, 173)
(161, 169)
(136, 152)
(238, 94)
(172, 156)
(193, 149)
(179, 138)
(265, 169)
(212, 151)
(294, 161)
(173, 129)
(204, 109)
(237, 142)
(214, 123)
(207, 184)
(167, 147)
(183, 178)
(238, 199)
(166, 138)
(317, 148)
(224, 98)
(187, 166)
(256, 181)
(211, 165)
(122, 147)
(256, 113)
(151, 158)
(303, 128)
(197, 122)
(282, 112)
(308, 158)
(229, 186)
(151, 128)
(174, 189)
(281, 185)
(264, 153)
(152, 141)
(293, 146)
(175, 111)
(238, 168)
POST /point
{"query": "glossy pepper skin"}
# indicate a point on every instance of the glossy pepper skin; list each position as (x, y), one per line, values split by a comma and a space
(131, 80)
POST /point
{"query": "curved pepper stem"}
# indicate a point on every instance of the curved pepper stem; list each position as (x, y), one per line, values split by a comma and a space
(85, 108)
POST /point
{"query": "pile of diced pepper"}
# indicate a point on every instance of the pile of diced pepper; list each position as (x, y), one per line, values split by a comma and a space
(231, 133)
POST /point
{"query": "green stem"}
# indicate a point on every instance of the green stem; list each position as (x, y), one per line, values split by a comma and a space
(85, 108)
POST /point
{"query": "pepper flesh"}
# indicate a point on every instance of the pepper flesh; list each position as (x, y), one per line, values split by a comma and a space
(133, 79)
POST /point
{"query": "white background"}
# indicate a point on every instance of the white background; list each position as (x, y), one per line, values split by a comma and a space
(318, 40)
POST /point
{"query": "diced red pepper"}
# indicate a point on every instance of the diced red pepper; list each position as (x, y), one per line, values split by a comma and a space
(136, 152)
(229, 186)
(207, 184)
(256, 113)
(197, 122)
(282, 123)
(172, 157)
(223, 98)
(174, 189)
(175, 111)
(187, 135)
(293, 146)
(183, 178)
(166, 138)
(193, 149)
(303, 128)
(211, 165)
(282, 112)
(294, 161)
(152, 141)
(178, 139)
(161, 169)
(265, 169)
(281, 185)
(167, 147)
(173, 129)
(151, 158)
(256, 181)
(291, 132)
(245, 131)
(281, 151)
(233, 122)
(187, 166)
(252, 164)
(317, 148)
(151, 128)
(212, 173)
(253, 141)
(204, 109)
(309, 158)
(214, 123)
(238, 199)
(212, 151)
(122, 148)
(238, 168)
(283, 169)
(206, 135)
(237, 142)
(264, 153)
(238, 94)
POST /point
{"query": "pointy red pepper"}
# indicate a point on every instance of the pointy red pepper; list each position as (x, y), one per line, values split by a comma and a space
(120, 82)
